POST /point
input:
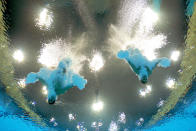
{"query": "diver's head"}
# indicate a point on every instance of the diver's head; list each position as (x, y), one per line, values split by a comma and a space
(143, 75)
(51, 100)
(123, 54)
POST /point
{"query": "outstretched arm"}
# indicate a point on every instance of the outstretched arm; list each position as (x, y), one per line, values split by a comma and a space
(31, 78)
(123, 54)
(79, 81)
(164, 62)
(161, 62)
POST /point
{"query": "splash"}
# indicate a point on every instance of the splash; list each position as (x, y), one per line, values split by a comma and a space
(57, 49)
(97, 62)
(170, 83)
(44, 20)
(130, 13)
(18, 56)
(139, 32)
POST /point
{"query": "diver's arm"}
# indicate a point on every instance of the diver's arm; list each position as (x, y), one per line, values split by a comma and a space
(79, 81)
(31, 78)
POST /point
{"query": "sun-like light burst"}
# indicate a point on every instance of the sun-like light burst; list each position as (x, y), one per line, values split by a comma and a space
(170, 83)
(175, 55)
(148, 89)
(97, 106)
(21, 83)
(44, 19)
(58, 49)
(97, 62)
(18, 55)
(44, 90)
(144, 92)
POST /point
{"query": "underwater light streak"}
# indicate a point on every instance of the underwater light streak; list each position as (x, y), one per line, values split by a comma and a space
(18, 56)
(175, 55)
(97, 62)
(170, 83)
(56, 50)
(97, 106)
(44, 20)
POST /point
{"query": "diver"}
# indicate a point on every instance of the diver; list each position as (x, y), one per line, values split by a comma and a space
(57, 81)
(140, 64)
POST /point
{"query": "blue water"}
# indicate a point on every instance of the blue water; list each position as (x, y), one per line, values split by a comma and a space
(183, 117)
(12, 118)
